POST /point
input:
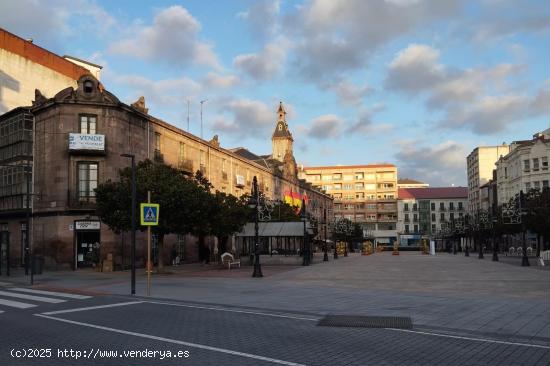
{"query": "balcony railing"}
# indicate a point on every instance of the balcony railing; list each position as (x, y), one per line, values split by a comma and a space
(186, 165)
(77, 200)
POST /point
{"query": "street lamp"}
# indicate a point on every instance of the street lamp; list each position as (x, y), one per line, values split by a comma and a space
(325, 257)
(132, 156)
(306, 254)
(254, 203)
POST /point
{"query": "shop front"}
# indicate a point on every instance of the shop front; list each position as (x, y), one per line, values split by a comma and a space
(87, 238)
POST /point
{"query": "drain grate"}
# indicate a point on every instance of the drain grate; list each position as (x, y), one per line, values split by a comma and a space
(366, 321)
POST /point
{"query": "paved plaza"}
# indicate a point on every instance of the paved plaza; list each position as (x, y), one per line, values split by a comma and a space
(465, 311)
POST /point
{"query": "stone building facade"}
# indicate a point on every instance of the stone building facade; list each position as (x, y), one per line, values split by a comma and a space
(79, 136)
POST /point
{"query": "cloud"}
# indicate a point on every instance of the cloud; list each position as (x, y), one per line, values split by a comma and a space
(336, 36)
(245, 117)
(262, 18)
(443, 164)
(350, 94)
(365, 125)
(54, 20)
(541, 103)
(214, 80)
(165, 92)
(266, 64)
(482, 99)
(172, 38)
(325, 127)
(414, 69)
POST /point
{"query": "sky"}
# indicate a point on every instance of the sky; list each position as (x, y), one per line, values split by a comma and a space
(415, 83)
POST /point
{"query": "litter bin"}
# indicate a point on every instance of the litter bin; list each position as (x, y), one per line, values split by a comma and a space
(38, 265)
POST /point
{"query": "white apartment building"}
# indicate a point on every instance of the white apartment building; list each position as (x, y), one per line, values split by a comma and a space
(525, 167)
(421, 211)
(480, 164)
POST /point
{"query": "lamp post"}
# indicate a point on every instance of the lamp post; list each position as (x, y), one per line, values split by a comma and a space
(483, 220)
(306, 254)
(325, 256)
(254, 203)
(133, 286)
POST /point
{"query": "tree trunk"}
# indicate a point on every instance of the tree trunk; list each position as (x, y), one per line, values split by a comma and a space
(160, 252)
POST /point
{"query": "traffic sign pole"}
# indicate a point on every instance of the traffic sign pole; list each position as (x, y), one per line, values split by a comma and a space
(149, 251)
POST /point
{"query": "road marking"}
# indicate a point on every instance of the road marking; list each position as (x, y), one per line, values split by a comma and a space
(174, 341)
(53, 293)
(471, 338)
(233, 310)
(31, 297)
(92, 308)
(16, 304)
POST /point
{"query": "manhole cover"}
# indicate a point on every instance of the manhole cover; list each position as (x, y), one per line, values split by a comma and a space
(366, 321)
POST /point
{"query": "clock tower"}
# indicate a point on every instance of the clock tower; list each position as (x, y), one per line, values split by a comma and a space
(282, 138)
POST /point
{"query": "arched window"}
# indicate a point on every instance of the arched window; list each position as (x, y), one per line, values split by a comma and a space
(88, 86)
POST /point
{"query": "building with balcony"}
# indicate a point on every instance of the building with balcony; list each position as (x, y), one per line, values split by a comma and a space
(366, 194)
(524, 168)
(480, 165)
(421, 211)
(74, 141)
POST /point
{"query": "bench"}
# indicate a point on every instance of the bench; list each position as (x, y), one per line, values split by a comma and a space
(229, 260)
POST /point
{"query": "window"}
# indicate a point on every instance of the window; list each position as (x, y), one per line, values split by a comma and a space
(338, 186)
(88, 86)
(181, 155)
(87, 181)
(349, 197)
(359, 186)
(527, 186)
(326, 177)
(433, 217)
(415, 207)
(544, 184)
(526, 166)
(442, 217)
(433, 228)
(348, 187)
(337, 176)
(326, 187)
(537, 185)
(415, 229)
(460, 207)
(359, 195)
(407, 229)
(88, 124)
(432, 206)
(536, 164)
(406, 207)
(452, 216)
(359, 176)
(415, 217)
(223, 165)
(441, 206)
(349, 206)
(461, 214)
(157, 141)
(280, 127)
(544, 162)
(451, 206)
(203, 159)
(407, 217)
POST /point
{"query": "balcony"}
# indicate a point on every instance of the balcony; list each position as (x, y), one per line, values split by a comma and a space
(186, 165)
(78, 201)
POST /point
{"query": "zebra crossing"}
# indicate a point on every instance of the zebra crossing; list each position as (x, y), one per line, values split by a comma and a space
(25, 298)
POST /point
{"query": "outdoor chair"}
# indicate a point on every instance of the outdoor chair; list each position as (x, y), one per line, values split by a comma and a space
(229, 260)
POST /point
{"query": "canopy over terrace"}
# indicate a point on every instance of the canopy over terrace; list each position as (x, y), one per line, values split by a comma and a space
(284, 238)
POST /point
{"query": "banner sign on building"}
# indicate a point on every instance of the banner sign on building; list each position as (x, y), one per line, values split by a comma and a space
(81, 141)
(87, 225)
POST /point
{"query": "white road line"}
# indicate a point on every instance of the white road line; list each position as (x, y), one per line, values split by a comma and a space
(16, 304)
(174, 341)
(31, 297)
(1, 311)
(471, 338)
(232, 310)
(92, 308)
(52, 293)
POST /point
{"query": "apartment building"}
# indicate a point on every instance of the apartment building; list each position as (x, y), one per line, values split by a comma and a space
(480, 165)
(366, 194)
(421, 211)
(524, 168)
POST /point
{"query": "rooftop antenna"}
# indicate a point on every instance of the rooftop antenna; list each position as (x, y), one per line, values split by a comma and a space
(187, 115)
(202, 101)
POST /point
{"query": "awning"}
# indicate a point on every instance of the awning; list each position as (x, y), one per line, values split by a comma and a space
(274, 229)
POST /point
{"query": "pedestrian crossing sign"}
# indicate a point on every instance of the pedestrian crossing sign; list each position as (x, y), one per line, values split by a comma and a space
(149, 214)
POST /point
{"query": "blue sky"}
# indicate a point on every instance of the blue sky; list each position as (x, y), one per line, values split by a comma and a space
(417, 83)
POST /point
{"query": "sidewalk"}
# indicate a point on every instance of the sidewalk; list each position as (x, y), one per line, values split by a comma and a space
(446, 292)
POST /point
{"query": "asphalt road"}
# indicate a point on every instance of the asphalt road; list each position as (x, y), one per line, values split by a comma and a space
(124, 330)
